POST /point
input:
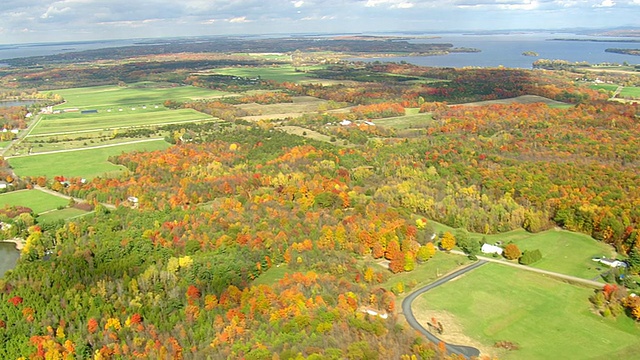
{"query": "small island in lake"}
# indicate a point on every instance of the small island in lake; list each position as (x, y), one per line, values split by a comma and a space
(530, 53)
(635, 52)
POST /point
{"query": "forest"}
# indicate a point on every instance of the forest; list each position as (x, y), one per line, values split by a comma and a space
(174, 276)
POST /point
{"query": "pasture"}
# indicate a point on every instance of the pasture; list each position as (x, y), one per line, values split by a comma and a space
(86, 163)
(36, 200)
(280, 73)
(132, 95)
(630, 92)
(563, 251)
(72, 123)
(62, 214)
(409, 121)
(546, 318)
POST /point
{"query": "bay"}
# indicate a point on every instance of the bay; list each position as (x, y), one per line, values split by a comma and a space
(506, 50)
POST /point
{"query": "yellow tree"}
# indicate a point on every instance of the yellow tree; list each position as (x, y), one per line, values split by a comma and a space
(448, 241)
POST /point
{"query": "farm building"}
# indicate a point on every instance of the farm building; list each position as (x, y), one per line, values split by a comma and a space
(491, 249)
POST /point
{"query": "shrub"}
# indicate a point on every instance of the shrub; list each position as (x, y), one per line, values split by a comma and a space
(529, 257)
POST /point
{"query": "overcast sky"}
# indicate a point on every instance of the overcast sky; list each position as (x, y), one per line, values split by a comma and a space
(63, 20)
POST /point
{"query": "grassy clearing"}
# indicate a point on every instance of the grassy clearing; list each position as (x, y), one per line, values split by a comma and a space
(62, 214)
(299, 106)
(548, 319)
(36, 200)
(524, 99)
(277, 73)
(606, 87)
(75, 122)
(405, 122)
(132, 95)
(87, 163)
(564, 252)
(630, 91)
(272, 275)
(440, 264)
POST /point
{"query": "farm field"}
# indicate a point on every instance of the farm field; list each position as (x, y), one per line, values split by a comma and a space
(299, 105)
(36, 200)
(543, 316)
(62, 214)
(563, 251)
(277, 73)
(86, 163)
(407, 121)
(136, 94)
(630, 91)
(72, 123)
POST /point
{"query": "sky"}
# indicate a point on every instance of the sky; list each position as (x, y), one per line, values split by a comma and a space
(28, 21)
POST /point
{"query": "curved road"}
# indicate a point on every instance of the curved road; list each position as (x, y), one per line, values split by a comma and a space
(466, 351)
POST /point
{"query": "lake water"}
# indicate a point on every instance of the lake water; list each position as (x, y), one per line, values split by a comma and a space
(11, 51)
(11, 103)
(8, 257)
(506, 50)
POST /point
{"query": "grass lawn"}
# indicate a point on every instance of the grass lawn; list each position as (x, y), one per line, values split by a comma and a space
(440, 264)
(137, 94)
(410, 120)
(630, 91)
(75, 122)
(277, 73)
(272, 275)
(36, 200)
(548, 319)
(563, 251)
(87, 163)
(63, 214)
(606, 87)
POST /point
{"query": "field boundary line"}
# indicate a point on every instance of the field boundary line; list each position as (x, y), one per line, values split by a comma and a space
(85, 148)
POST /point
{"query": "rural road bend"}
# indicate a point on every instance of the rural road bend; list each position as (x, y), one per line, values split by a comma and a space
(466, 351)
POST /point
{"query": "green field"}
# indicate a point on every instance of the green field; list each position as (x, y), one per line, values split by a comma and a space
(36, 200)
(76, 122)
(132, 95)
(272, 275)
(564, 252)
(606, 87)
(62, 214)
(440, 264)
(548, 319)
(410, 120)
(277, 73)
(87, 163)
(630, 91)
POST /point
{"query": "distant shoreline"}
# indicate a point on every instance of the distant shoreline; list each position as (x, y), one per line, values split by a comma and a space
(598, 40)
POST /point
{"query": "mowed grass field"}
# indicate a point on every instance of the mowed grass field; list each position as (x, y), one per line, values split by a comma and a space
(563, 251)
(36, 200)
(548, 319)
(630, 91)
(77, 122)
(86, 163)
(277, 73)
(132, 95)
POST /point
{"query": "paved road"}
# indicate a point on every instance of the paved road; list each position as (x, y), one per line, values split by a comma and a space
(466, 351)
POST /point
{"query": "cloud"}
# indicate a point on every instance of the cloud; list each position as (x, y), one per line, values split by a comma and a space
(392, 4)
(297, 4)
(239, 19)
(605, 3)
